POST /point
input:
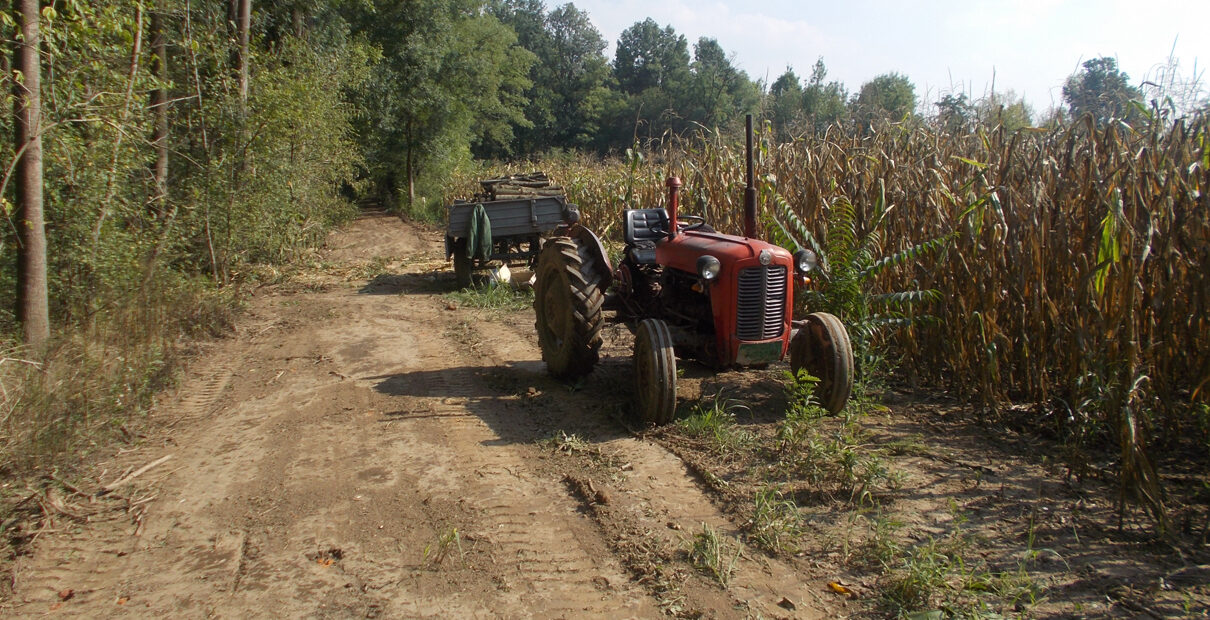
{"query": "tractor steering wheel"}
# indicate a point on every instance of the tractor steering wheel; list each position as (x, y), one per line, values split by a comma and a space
(697, 222)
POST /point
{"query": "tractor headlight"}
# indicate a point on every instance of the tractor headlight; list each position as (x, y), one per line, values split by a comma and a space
(805, 261)
(708, 267)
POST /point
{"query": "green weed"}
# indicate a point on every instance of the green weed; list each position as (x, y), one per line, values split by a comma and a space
(712, 554)
(715, 420)
(922, 572)
(448, 540)
(494, 297)
(808, 448)
(776, 525)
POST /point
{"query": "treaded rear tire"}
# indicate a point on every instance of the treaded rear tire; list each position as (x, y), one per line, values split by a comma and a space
(654, 372)
(567, 305)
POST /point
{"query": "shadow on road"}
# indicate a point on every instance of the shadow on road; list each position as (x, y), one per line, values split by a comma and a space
(518, 401)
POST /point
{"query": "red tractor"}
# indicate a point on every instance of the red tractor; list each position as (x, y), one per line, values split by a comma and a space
(684, 290)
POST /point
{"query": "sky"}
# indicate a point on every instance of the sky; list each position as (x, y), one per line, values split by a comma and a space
(944, 46)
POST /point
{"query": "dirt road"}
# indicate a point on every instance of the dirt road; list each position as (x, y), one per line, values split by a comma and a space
(362, 446)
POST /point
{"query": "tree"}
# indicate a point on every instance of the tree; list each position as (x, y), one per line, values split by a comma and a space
(243, 32)
(1005, 109)
(32, 304)
(159, 108)
(452, 79)
(785, 103)
(650, 57)
(1100, 89)
(890, 94)
(651, 66)
(581, 74)
(823, 103)
(717, 92)
(568, 91)
(954, 113)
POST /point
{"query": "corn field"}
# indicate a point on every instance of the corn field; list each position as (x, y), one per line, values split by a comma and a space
(1075, 277)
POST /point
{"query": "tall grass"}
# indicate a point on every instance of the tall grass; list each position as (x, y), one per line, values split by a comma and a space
(95, 381)
(1076, 276)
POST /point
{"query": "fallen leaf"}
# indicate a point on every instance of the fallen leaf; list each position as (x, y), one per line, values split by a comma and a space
(840, 588)
(66, 593)
(123, 599)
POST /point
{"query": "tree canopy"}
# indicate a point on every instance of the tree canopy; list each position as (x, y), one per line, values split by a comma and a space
(892, 94)
(1100, 89)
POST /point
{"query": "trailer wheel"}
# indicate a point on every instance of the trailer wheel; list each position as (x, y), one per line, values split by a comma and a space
(822, 348)
(654, 372)
(462, 264)
(567, 304)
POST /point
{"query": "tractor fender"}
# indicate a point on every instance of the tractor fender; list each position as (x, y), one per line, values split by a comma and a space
(589, 240)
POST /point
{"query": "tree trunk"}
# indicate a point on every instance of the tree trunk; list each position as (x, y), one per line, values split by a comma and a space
(159, 140)
(243, 26)
(159, 107)
(32, 306)
(411, 169)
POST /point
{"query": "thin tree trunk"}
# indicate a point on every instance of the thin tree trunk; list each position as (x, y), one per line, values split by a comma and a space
(411, 170)
(159, 107)
(411, 181)
(159, 139)
(111, 184)
(299, 22)
(32, 305)
(243, 27)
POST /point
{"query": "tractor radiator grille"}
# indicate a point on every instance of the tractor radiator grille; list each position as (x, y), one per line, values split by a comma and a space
(762, 303)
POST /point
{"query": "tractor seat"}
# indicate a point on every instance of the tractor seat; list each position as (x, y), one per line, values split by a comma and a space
(645, 225)
(643, 228)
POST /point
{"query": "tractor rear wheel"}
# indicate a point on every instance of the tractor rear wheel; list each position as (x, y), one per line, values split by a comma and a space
(567, 304)
(822, 348)
(655, 372)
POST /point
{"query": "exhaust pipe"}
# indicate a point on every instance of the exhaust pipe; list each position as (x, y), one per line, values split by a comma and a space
(749, 190)
(674, 201)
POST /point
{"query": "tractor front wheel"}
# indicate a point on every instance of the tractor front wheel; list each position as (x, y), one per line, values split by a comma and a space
(822, 348)
(655, 372)
(567, 305)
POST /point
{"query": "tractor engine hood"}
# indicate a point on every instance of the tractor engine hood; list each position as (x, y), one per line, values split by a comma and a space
(682, 251)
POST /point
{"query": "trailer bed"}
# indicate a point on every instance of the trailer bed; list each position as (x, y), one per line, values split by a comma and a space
(510, 218)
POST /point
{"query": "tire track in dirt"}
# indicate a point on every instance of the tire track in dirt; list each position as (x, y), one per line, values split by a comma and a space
(530, 526)
(201, 393)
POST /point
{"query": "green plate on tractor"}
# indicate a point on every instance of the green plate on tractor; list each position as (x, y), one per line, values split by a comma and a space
(758, 352)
